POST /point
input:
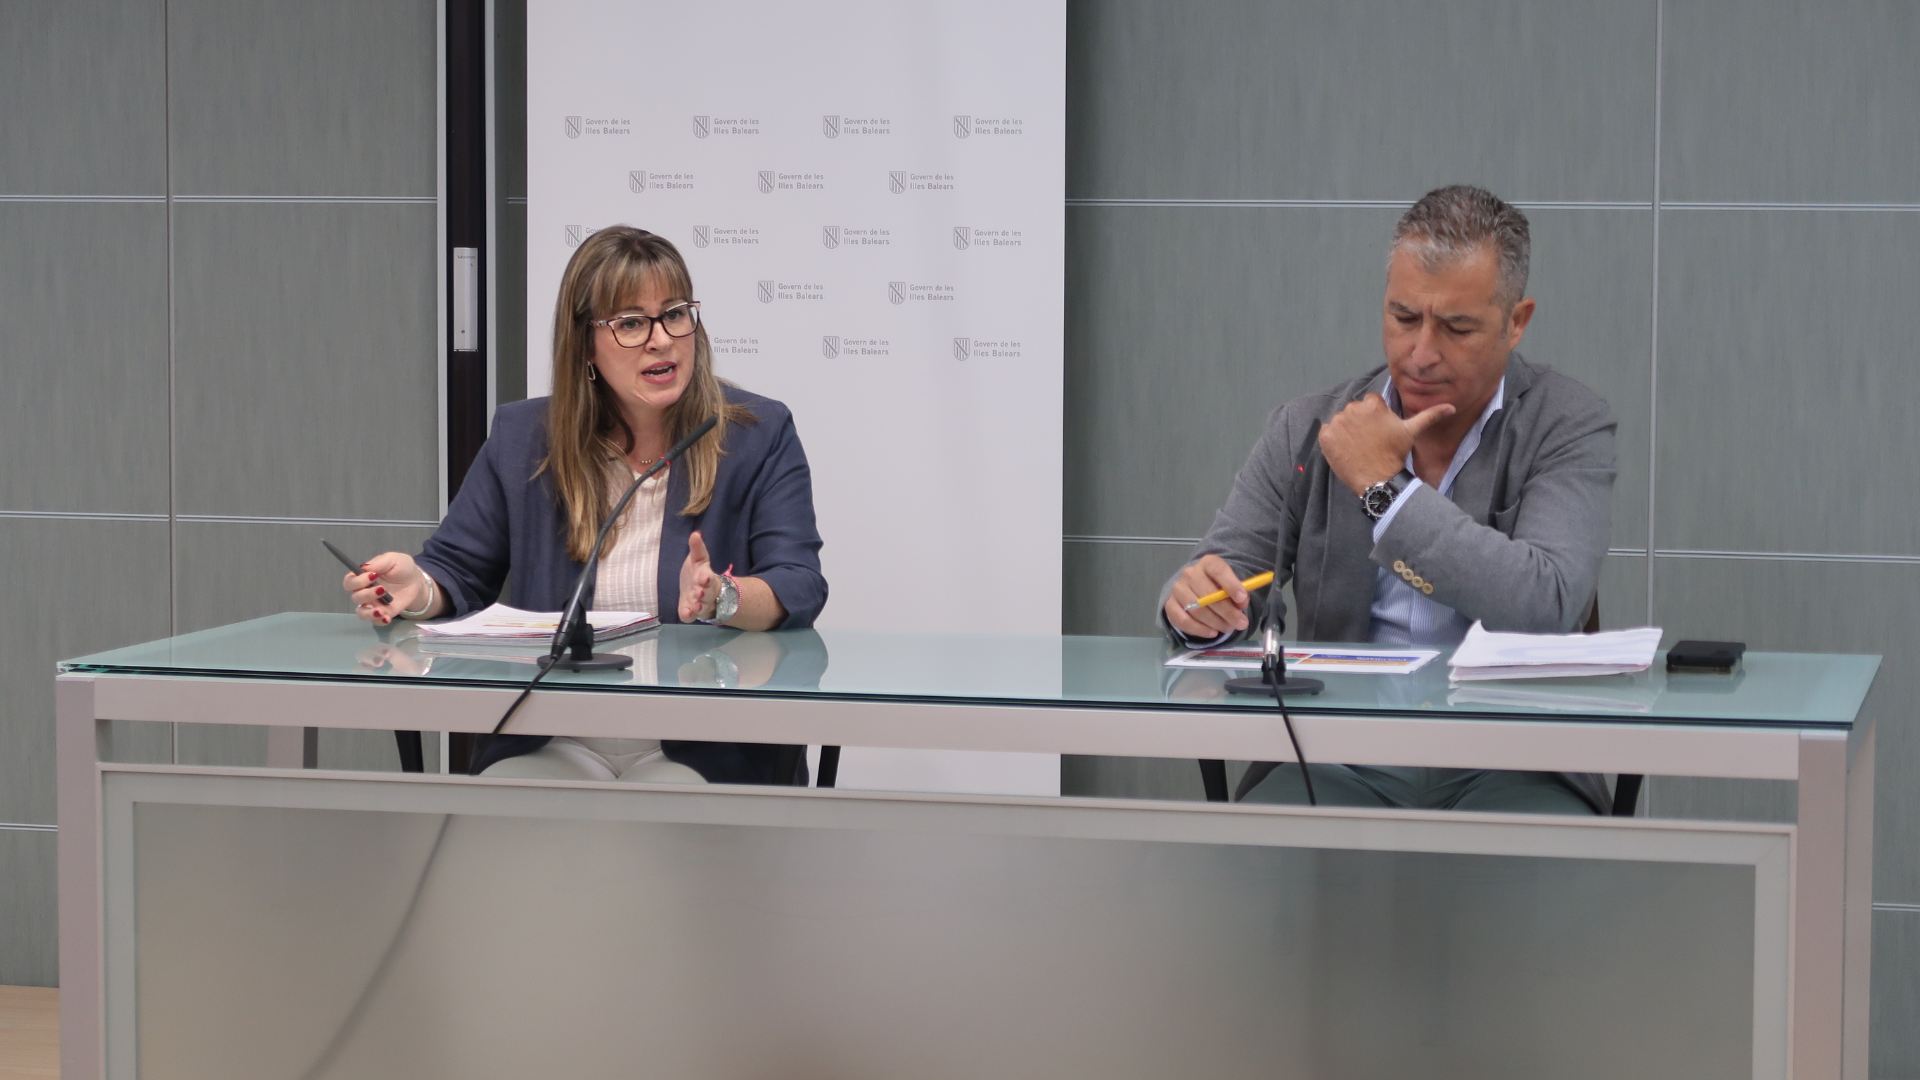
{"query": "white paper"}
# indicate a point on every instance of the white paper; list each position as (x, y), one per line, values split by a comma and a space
(507, 624)
(1484, 654)
(1348, 660)
(1628, 697)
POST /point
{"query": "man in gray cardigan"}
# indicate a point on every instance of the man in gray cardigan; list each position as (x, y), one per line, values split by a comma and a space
(1458, 482)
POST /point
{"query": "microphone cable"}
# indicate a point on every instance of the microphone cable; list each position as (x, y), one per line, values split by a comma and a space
(1276, 673)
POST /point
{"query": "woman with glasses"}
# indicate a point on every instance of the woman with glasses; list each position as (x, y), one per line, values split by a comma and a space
(725, 535)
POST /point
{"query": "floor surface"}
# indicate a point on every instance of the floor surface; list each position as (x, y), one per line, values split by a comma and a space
(29, 1033)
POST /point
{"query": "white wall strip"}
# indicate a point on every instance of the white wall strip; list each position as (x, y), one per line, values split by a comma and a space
(19, 826)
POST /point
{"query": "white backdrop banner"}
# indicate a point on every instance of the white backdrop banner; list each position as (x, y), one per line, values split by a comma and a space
(870, 194)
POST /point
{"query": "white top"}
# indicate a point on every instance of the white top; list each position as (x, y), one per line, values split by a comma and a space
(1402, 614)
(630, 570)
(630, 581)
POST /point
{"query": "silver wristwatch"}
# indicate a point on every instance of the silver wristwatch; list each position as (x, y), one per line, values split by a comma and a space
(1376, 500)
(728, 603)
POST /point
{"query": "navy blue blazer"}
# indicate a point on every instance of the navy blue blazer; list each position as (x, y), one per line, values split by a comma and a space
(507, 522)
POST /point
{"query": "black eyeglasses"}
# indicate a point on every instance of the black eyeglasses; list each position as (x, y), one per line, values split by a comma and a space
(632, 331)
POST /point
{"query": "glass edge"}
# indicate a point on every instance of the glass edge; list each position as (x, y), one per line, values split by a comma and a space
(1078, 704)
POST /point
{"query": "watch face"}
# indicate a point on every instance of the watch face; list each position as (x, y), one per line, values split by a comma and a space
(1376, 501)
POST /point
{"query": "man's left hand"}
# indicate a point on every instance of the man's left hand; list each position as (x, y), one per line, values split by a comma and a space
(1366, 442)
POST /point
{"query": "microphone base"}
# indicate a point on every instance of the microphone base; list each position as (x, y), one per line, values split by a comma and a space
(1294, 685)
(598, 662)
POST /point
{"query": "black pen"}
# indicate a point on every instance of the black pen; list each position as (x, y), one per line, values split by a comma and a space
(352, 567)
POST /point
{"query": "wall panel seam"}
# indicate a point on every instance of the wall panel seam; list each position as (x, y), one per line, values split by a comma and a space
(239, 519)
(1878, 906)
(84, 198)
(1401, 204)
(1189, 541)
(1788, 556)
(26, 826)
(1343, 204)
(81, 515)
(1653, 310)
(1633, 553)
(249, 519)
(326, 200)
(1868, 208)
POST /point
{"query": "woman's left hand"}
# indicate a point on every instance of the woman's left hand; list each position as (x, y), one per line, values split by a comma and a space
(699, 585)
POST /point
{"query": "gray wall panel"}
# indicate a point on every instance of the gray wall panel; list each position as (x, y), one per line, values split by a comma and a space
(1895, 1042)
(1791, 102)
(72, 587)
(1704, 798)
(1787, 362)
(83, 334)
(1186, 326)
(1379, 99)
(1623, 592)
(1817, 607)
(511, 320)
(29, 930)
(510, 96)
(1592, 273)
(1110, 588)
(85, 90)
(1132, 778)
(226, 572)
(305, 361)
(290, 98)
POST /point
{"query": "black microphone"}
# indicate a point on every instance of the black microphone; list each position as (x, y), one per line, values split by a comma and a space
(574, 635)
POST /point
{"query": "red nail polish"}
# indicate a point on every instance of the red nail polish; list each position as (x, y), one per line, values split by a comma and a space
(379, 592)
(373, 577)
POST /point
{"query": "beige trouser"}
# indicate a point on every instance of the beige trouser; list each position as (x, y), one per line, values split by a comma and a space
(570, 759)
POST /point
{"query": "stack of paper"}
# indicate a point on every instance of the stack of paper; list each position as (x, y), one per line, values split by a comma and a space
(510, 629)
(1487, 655)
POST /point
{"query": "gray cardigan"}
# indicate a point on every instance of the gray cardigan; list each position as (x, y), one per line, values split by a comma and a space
(1519, 546)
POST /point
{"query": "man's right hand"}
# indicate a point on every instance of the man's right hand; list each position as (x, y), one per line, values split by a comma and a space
(1210, 574)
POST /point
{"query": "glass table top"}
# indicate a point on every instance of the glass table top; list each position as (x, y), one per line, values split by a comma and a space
(1789, 689)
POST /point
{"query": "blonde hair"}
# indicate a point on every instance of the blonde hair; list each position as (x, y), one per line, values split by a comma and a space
(585, 428)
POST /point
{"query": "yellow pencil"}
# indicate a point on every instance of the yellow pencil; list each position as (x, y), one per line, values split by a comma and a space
(1257, 581)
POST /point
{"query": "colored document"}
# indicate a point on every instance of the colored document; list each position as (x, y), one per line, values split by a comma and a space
(1313, 659)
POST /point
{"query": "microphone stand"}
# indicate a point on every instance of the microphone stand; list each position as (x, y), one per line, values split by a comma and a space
(573, 638)
(1273, 680)
(1273, 664)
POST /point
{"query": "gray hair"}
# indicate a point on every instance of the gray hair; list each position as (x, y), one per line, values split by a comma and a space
(1452, 223)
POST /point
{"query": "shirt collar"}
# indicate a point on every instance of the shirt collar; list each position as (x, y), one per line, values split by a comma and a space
(1467, 445)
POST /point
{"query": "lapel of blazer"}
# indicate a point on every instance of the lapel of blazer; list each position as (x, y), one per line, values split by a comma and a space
(1483, 478)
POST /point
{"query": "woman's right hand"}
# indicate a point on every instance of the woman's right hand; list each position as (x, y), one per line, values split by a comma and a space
(387, 584)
